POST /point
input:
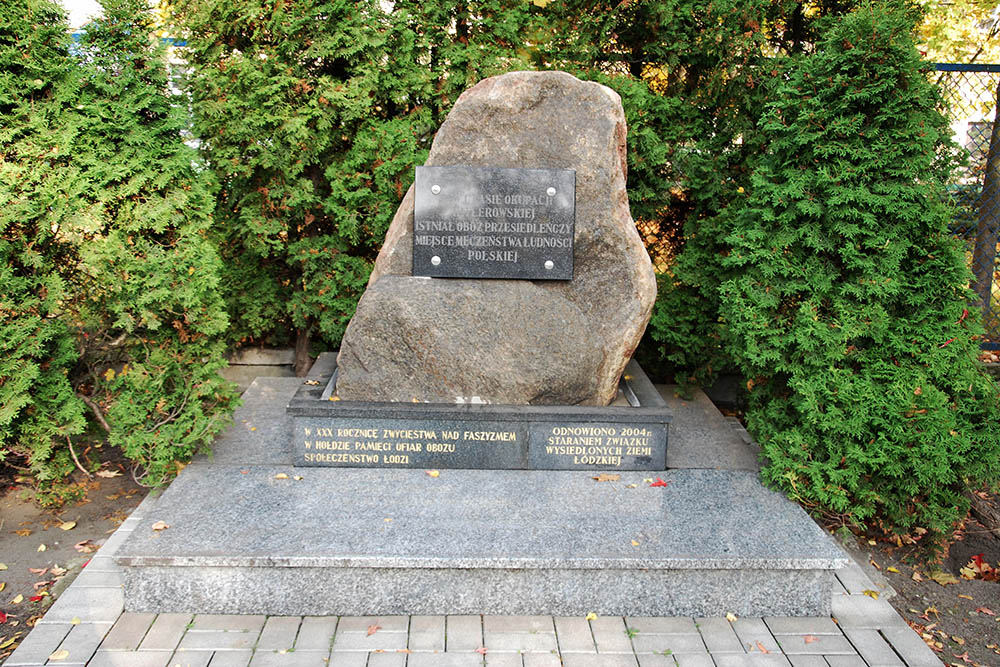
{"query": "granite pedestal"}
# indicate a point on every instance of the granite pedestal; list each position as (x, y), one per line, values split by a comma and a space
(246, 536)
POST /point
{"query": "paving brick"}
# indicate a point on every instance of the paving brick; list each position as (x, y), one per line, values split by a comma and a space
(279, 633)
(166, 632)
(854, 579)
(362, 623)
(754, 633)
(574, 635)
(101, 563)
(861, 611)
(190, 658)
(802, 625)
(387, 660)
(82, 641)
(128, 631)
(217, 641)
(349, 660)
(92, 605)
(39, 644)
(873, 648)
(611, 635)
(426, 633)
(228, 623)
(103, 658)
(910, 646)
(447, 660)
(283, 658)
(463, 633)
(316, 633)
(807, 661)
(517, 624)
(669, 625)
(751, 660)
(98, 579)
(536, 660)
(666, 644)
(655, 660)
(819, 645)
(381, 640)
(694, 660)
(850, 661)
(719, 635)
(525, 642)
(603, 660)
(230, 659)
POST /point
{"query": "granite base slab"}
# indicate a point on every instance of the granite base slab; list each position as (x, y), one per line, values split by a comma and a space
(346, 541)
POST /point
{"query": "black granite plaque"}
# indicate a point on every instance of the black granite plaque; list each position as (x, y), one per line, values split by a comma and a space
(490, 222)
(629, 435)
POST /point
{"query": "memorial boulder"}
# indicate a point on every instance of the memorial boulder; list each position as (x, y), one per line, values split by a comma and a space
(562, 337)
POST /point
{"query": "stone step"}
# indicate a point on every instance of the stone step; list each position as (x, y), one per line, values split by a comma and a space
(246, 537)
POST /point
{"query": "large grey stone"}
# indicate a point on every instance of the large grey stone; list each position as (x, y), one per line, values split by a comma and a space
(515, 335)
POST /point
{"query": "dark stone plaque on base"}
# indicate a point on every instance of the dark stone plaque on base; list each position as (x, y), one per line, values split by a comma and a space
(629, 436)
(490, 222)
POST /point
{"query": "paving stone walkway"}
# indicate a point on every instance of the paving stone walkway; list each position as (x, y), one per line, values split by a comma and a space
(89, 624)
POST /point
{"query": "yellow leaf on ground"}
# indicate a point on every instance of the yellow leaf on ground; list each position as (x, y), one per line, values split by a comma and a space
(591, 616)
(67, 525)
(870, 593)
(3, 566)
(108, 474)
(966, 597)
(892, 569)
(297, 478)
(61, 654)
(109, 374)
(731, 617)
(41, 547)
(944, 578)
(634, 543)
(75, 620)
(3, 585)
(281, 475)
(606, 477)
(8, 643)
(160, 525)
(433, 473)
(18, 599)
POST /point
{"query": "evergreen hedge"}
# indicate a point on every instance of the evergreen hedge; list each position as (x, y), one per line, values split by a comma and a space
(850, 312)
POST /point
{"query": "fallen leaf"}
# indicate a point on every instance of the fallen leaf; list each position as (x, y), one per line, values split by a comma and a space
(24, 532)
(981, 610)
(958, 640)
(58, 571)
(281, 475)
(108, 474)
(892, 569)
(870, 593)
(965, 597)
(591, 616)
(75, 620)
(871, 561)
(38, 570)
(944, 578)
(160, 525)
(659, 482)
(481, 650)
(3, 585)
(433, 473)
(85, 547)
(3, 618)
(809, 639)
(297, 478)
(634, 543)
(762, 648)
(41, 547)
(18, 599)
(41, 584)
(3, 566)
(631, 486)
(916, 576)
(964, 657)
(61, 654)
(731, 617)
(9, 642)
(312, 383)
(36, 598)
(404, 650)
(606, 477)
(372, 629)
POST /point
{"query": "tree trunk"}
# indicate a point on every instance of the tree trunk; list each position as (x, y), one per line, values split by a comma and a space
(984, 255)
(303, 362)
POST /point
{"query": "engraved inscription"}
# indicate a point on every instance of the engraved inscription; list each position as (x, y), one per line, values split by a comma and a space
(620, 446)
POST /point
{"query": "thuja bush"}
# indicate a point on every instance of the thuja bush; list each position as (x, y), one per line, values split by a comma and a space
(850, 314)
(39, 411)
(148, 304)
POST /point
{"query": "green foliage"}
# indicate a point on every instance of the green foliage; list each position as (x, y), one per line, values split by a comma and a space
(39, 411)
(850, 309)
(149, 302)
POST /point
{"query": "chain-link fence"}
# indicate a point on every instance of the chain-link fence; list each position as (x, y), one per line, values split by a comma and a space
(970, 95)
